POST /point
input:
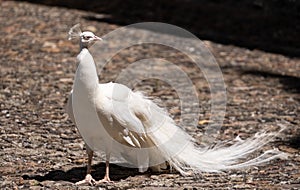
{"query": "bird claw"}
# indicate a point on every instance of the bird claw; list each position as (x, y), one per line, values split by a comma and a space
(87, 180)
(104, 180)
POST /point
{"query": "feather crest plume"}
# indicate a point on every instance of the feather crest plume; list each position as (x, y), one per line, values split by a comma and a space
(74, 32)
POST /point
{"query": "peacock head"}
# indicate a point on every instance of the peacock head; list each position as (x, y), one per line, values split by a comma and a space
(87, 38)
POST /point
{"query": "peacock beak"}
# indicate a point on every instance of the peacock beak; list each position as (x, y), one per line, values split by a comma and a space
(96, 38)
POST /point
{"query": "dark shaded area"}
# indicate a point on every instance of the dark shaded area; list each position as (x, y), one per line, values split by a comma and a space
(290, 83)
(269, 25)
(295, 142)
(76, 174)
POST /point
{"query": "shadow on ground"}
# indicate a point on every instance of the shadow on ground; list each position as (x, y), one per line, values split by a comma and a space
(272, 25)
(295, 142)
(290, 84)
(78, 173)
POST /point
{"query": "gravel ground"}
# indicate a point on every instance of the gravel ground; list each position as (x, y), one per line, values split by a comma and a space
(41, 149)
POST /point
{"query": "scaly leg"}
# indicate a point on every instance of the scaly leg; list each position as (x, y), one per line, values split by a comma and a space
(106, 178)
(88, 178)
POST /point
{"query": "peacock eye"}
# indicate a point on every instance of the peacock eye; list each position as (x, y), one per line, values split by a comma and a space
(87, 37)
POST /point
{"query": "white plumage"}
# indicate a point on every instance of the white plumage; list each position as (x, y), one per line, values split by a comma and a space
(112, 118)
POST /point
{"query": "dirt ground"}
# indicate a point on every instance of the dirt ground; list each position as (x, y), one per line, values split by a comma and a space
(41, 149)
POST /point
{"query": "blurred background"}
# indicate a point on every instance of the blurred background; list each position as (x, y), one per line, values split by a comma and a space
(269, 25)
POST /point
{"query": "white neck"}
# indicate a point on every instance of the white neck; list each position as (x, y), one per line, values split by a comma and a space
(86, 75)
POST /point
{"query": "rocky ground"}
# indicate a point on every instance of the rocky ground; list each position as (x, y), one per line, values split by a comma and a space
(41, 149)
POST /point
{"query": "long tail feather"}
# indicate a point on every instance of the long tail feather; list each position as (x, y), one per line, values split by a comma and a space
(219, 158)
(185, 156)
